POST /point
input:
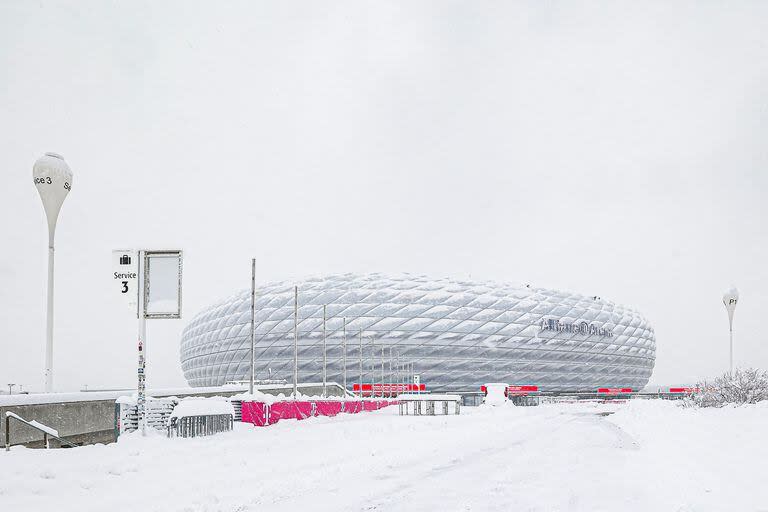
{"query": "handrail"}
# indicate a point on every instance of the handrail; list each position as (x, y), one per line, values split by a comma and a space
(46, 430)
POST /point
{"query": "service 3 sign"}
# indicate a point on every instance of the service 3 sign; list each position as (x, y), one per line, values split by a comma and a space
(125, 277)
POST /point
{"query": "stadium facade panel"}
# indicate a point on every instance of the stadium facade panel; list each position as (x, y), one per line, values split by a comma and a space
(458, 334)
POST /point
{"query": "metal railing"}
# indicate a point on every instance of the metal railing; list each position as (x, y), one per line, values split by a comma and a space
(428, 408)
(194, 426)
(46, 430)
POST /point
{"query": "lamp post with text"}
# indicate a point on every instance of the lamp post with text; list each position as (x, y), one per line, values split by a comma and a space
(53, 180)
(730, 299)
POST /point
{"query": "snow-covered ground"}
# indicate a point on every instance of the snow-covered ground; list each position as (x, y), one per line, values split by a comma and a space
(647, 456)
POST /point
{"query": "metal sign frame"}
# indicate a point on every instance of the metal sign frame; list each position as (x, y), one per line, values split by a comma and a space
(146, 256)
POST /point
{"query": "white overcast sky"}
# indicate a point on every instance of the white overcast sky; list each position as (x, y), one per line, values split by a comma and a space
(610, 148)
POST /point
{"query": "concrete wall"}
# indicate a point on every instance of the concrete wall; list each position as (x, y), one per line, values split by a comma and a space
(77, 422)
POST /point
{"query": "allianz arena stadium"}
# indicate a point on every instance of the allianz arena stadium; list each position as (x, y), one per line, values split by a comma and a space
(458, 334)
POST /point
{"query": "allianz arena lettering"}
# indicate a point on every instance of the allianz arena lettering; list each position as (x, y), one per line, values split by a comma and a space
(458, 334)
(583, 328)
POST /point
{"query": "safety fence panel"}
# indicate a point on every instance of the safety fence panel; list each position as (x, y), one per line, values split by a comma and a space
(327, 408)
(289, 411)
(254, 412)
(261, 414)
(352, 407)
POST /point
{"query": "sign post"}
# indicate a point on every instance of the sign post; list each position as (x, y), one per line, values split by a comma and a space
(149, 282)
(53, 180)
(730, 299)
(141, 388)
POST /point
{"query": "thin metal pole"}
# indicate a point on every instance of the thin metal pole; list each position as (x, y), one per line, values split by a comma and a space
(731, 360)
(49, 320)
(360, 353)
(344, 349)
(407, 376)
(382, 371)
(397, 371)
(372, 366)
(295, 342)
(253, 324)
(325, 361)
(141, 391)
(391, 376)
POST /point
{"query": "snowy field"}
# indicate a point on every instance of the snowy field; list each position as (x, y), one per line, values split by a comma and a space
(647, 456)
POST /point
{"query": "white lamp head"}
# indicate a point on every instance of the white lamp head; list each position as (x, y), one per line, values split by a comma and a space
(730, 299)
(53, 180)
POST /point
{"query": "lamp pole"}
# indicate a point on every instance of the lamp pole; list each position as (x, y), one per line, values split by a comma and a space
(372, 366)
(325, 361)
(730, 299)
(344, 355)
(295, 342)
(382, 371)
(253, 324)
(53, 180)
(360, 354)
(391, 375)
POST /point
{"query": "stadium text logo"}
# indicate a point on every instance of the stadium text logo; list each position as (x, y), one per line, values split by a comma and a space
(550, 324)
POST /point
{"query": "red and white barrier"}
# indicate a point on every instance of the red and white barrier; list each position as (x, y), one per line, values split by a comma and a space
(614, 391)
(686, 390)
(262, 414)
(387, 389)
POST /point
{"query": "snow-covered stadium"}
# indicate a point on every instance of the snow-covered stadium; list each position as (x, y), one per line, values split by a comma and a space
(457, 333)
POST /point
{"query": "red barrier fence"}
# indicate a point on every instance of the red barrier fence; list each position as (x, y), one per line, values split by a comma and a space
(388, 389)
(328, 408)
(289, 411)
(614, 391)
(687, 391)
(522, 390)
(255, 412)
(261, 414)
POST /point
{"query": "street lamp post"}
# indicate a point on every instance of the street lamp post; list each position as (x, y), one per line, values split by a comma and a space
(382, 371)
(295, 342)
(730, 298)
(325, 360)
(53, 180)
(253, 325)
(344, 354)
(360, 368)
